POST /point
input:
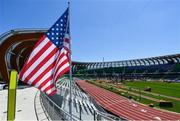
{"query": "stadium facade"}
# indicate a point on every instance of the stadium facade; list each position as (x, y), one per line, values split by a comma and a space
(16, 45)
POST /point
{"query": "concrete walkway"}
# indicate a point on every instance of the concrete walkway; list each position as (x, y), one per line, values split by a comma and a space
(27, 106)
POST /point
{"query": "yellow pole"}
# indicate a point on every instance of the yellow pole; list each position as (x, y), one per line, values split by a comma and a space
(12, 96)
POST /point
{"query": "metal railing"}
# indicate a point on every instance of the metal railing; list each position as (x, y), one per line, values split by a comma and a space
(40, 111)
(57, 113)
(54, 111)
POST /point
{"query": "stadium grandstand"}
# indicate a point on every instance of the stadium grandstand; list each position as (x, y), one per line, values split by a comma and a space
(89, 101)
(167, 67)
(17, 44)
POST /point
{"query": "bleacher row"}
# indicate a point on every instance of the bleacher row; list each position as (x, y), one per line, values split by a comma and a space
(82, 104)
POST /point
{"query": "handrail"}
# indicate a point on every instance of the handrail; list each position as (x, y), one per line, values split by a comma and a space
(75, 118)
(35, 109)
(97, 114)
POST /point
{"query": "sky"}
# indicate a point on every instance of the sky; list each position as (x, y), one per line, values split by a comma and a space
(110, 29)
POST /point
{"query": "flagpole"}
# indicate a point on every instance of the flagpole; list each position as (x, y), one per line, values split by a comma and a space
(70, 62)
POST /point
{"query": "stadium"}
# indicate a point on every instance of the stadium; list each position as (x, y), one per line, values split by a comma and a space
(137, 89)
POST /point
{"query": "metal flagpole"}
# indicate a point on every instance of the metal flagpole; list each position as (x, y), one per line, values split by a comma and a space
(70, 62)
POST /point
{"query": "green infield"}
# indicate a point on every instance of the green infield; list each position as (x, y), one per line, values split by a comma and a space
(163, 88)
(169, 89)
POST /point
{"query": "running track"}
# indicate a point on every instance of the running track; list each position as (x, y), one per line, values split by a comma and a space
(125, 108)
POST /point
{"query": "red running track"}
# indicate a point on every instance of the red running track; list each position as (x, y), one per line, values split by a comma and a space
(125, 108)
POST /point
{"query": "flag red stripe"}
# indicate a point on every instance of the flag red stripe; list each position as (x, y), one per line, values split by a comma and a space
(68, 52)
(25, 65)
(49, 87)
(49, 68)
(62, 72)
(25, 68)
(59, 58)
(67, 40)
(61, 65)
(37, 44)
(52, 93)
(39, 53)
(41, 64)
(45, 82)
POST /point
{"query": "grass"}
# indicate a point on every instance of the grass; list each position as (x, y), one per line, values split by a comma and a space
(169, 89)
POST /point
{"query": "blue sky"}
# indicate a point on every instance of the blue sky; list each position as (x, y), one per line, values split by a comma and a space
(113, 29)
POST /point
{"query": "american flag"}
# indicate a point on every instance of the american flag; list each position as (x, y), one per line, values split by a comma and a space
(49, 59)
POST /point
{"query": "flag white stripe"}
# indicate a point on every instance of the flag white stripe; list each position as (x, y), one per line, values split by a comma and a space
(47, 75)
(66, 44)
(41, 58)
(61, 69)
(43, 68)
(58, 58)
(59, 62)
(63, 51)
(46, 85)
(51, 90)
(58, 71)
(38, 48)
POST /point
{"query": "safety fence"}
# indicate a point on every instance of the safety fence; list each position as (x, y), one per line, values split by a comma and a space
(54, 111)
(57, 113)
